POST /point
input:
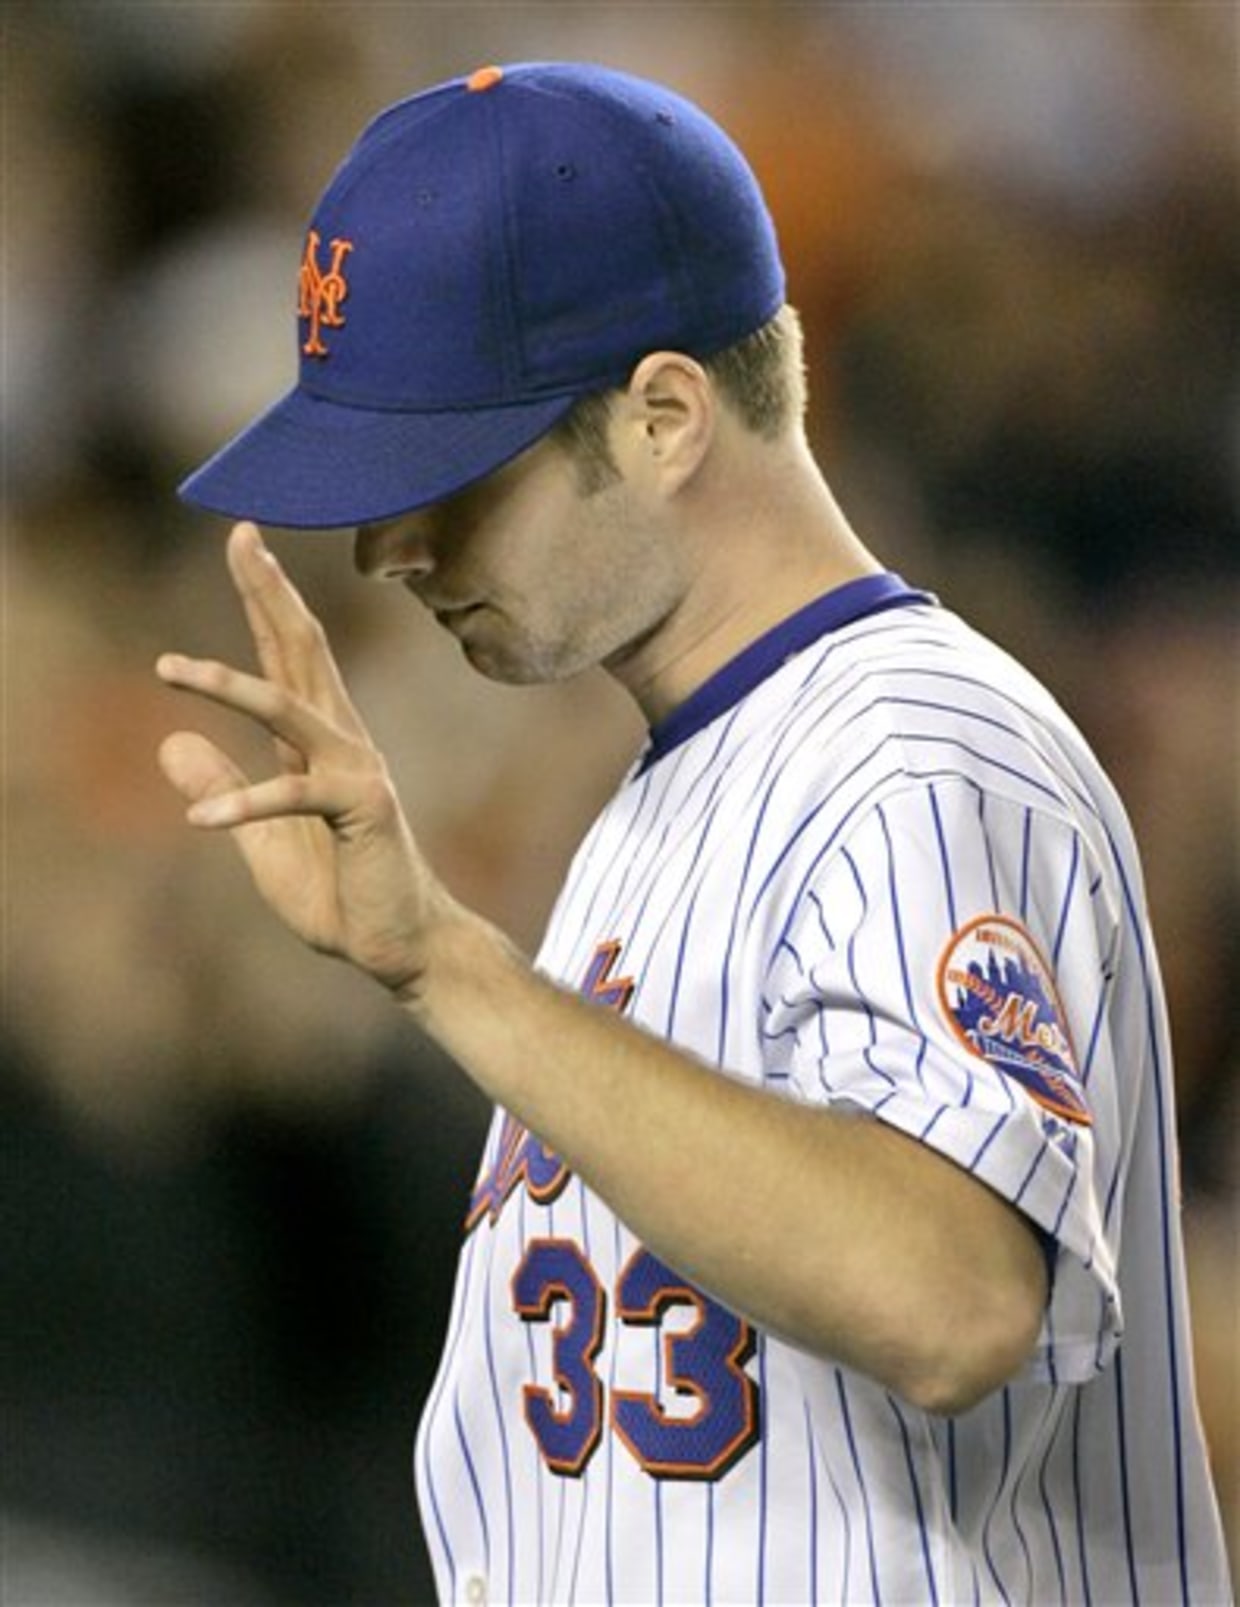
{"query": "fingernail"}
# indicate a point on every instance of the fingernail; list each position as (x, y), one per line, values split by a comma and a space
(211, 812)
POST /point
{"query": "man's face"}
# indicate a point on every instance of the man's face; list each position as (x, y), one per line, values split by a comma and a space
(535, 578)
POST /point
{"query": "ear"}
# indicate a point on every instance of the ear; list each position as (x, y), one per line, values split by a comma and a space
(670, 415)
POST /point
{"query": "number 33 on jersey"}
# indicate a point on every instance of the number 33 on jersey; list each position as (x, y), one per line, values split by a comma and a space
(700, 1413)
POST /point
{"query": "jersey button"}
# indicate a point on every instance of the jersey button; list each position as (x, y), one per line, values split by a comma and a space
(476, 1591)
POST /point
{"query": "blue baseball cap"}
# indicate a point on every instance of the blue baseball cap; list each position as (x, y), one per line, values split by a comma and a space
(490, 251)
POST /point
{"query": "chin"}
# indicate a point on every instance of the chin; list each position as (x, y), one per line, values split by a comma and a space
(510, 671)
(535, 667)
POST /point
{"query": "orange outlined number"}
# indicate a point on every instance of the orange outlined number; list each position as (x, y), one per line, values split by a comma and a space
(703, 1365)
(555, 1271)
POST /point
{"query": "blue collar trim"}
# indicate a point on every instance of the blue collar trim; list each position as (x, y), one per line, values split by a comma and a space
(854, 600)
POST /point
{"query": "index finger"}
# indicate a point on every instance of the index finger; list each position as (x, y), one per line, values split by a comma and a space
(296, 722)
(291, 644)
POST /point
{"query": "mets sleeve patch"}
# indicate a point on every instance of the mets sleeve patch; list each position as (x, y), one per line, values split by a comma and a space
(999, 997)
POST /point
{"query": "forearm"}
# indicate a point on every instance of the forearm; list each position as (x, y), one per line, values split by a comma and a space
(827, 1228)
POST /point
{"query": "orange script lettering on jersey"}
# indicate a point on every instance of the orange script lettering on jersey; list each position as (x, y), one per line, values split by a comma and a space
(519, 1156)
(319, 294)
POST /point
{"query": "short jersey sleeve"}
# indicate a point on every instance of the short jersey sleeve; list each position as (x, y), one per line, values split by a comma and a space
(946, 968)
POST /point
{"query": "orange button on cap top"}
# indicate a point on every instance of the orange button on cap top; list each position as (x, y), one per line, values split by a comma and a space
(484, 78)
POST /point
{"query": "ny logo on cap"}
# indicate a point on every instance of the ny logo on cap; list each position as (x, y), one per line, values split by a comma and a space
(319, 294)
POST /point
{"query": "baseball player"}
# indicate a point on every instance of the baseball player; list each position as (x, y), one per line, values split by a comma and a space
(825, 1245)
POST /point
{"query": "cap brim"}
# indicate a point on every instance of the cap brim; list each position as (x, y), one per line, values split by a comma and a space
(312, 464)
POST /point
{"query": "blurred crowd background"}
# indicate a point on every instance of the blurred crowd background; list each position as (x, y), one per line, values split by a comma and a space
(230, 1186)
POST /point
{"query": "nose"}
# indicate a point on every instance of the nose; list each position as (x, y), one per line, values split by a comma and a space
(398, 549)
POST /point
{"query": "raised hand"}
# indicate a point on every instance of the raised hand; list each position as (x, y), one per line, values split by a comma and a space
(325, 838)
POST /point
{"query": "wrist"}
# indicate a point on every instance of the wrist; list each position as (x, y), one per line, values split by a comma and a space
(463, 962)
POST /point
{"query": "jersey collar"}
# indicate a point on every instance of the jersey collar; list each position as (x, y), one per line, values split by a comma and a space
(854, 600)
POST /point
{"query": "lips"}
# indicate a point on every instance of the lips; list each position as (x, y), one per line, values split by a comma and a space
(452, 614)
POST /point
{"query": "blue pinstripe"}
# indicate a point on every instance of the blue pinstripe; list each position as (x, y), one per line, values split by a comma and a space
(822, 919)
(870, 1017)
(915, 1487)
(1063, 1209)
(996, 903)
(1057, 1417)
(645, 786)
(658, 1538)
(700, 827)
(503, 1441)
(1095, 1031)
(559, 1536)
(1014, 1514)
(953, 1472)
(1066, 905)
(1006, 1403)
(437, 1393)
(980, 1153)
(812, 1537)
(1121, 1418)
(678, 970)
(893, 892)
(1034, 1164)
(953, 920)
(553, 1231)
(842, 1391)
(894, 895)
(725, 1014)
(1078, 1500)
(609, 1449)
(585, 1488)
(846, 1525)
(473, 1479)
(710, 1546)
(530, 1351)
(1165, 1172)
(764, 1471)
(1026, 845)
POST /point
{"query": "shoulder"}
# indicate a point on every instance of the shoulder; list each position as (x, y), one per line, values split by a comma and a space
(916, 697)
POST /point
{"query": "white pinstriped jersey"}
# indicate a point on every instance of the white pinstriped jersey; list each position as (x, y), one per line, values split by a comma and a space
(872, 865)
